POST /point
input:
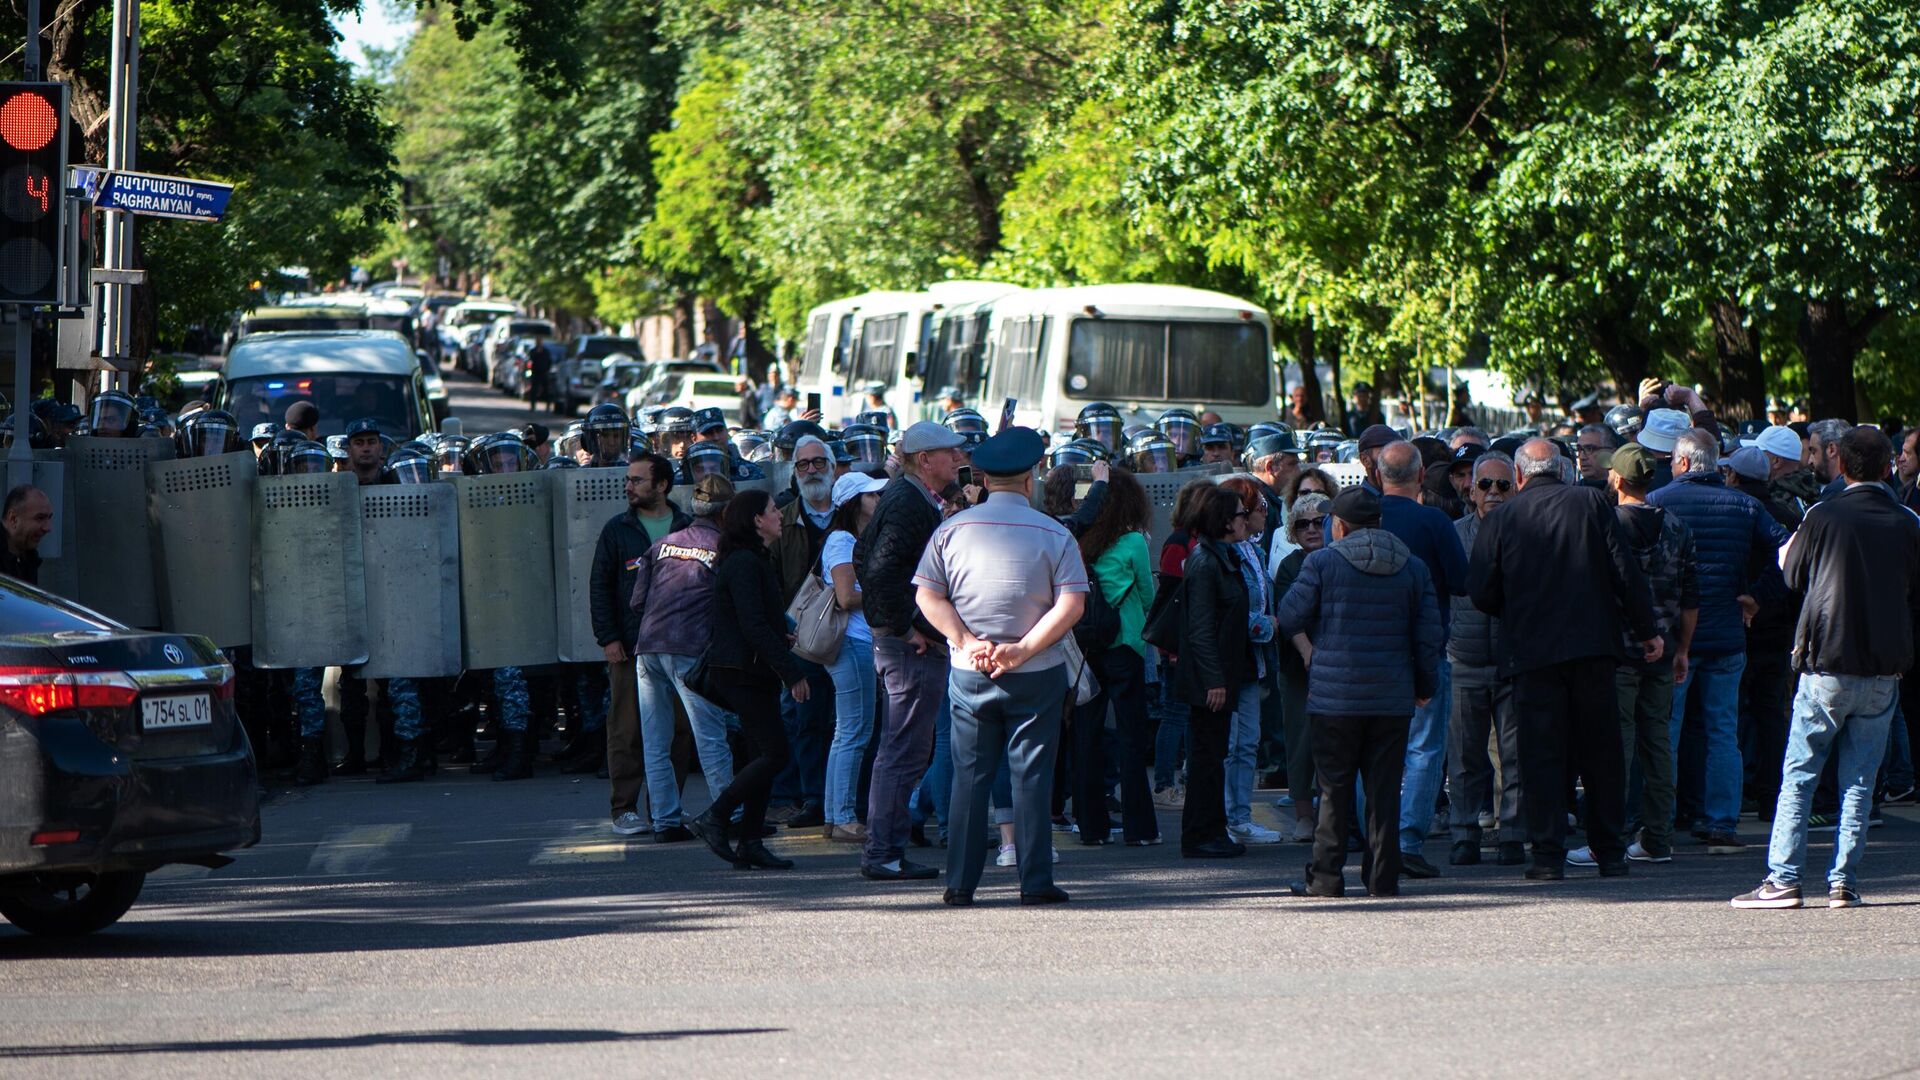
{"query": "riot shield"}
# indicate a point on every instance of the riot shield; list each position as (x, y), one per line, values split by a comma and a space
(53, 474)
(1349, 473)
(1162, 489)
(410, 542)
(506, 569)
(583, 501)
(200, 510)
(309, 581)
(779, 473)
(114, 539)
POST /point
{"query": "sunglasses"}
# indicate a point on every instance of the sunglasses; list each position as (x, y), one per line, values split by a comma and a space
(1311, 522)
(810, 465)
(1489, 484)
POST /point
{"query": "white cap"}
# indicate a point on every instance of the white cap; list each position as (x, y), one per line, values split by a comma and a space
(1780, 441)
(1664, 427)
(853, 485)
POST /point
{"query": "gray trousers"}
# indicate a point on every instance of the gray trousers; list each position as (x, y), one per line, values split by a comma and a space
(914, 683)
(1483, 702)
(1020, 711)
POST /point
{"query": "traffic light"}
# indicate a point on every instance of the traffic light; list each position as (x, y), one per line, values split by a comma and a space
(33, 171)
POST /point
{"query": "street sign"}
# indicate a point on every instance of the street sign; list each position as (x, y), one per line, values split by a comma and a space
(151, 195)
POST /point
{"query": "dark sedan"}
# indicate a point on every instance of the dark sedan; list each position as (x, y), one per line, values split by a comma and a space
(120, 753)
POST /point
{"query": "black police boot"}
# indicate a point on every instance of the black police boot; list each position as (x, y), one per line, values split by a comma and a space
(492, 759)
(589, 760)
(355, 763)
(311, 769)
(413, 761)
(517, 762)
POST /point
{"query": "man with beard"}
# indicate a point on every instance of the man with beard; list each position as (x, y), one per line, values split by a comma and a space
(796, 555)
(623, 545)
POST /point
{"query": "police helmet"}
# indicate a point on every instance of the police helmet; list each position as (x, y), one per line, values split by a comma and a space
(208, 432)
(263, 434)
(409, 465)
(677, 420)
(746, 442)
(879, 418)
(1077, 452)
(649, 418)
(762, 454)
(865, 443)
(1625, 421)
(1263, 429)
(1324, 445)
(638, 442)
(968, 424)
(1152, 452)
(1182, 429)
(306, 457)
(111, 414)
(1101, 422)
(568, 444)
(705, 459)
(560, 461)
(790, 434)
(501, 452)
(38, 437)
(605, 417)
(450, 452)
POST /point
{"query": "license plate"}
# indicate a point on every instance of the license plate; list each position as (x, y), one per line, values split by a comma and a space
(179, 711)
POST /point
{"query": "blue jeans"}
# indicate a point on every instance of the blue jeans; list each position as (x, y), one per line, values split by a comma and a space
(1243, 746)
(1171, 737)
(1711, 694)
(307, 702)
(1427, 762)
(1843, 714)
(853, 689)
(662, 677)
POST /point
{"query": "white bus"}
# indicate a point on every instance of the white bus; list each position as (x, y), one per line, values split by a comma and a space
(1140, 348)
(827, 352)
(893, 336)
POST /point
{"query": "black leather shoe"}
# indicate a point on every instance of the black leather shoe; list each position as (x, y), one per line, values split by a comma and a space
(1613, 869)
(909, 871)
(1464, 853)
(917, 836)
(1415, 866)
(1213, 849)
(312, 768)
(1546, 873)
(1054, 894)
(755, 856)
(809, 816)
(1512, 853)
(957, 898)
(1302, 889)
(672, 834)
(715, 834)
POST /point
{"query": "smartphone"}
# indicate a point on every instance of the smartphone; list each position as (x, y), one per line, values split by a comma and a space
(1006, 414)
(813, 403)
(966, 476)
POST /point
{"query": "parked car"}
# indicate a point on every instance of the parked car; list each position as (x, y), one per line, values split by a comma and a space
(618, 376)
(576, 378)
(120, 753)
(500, 342)
(464, 327)
(692, 389)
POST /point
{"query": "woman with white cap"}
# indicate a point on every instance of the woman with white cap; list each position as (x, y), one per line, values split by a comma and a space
(854, 497)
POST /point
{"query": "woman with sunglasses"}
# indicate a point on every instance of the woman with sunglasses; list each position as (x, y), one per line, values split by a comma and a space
(1306, 526)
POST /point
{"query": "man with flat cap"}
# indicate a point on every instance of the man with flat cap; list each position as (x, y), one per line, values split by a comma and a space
(1004, 583)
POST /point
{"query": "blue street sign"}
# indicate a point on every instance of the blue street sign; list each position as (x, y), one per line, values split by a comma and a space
(151, 195)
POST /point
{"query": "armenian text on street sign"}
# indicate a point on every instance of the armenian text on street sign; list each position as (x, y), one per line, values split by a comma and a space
(153, 195)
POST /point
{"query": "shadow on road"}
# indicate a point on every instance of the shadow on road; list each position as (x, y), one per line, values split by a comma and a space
(490, 1038)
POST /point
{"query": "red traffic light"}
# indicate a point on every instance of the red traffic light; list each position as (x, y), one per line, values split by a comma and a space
(28, 121)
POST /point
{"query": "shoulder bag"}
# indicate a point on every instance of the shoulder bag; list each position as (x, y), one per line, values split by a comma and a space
(819, 626)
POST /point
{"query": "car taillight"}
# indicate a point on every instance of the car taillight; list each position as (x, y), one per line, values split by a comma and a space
(223, 690)
(37, 691)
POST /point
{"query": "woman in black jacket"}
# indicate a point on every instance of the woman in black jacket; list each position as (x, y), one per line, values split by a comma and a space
(1216, 660)
(748, 661)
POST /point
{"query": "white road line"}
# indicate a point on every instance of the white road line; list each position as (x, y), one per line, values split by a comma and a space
(355, 849)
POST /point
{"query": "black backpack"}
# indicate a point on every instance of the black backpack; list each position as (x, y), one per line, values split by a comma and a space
(1099, 625)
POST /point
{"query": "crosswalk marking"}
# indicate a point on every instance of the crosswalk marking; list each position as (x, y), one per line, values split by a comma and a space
(589, 843)
(356, 849)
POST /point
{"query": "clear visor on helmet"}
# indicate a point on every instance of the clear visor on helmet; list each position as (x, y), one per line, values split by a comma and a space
(706, 462)
(870, 449)
(1072, 454)
(449, 454)
(1105, 430)
(1183, 433)
(411, 469)
(110, 415)
(503, 458)
(309, 459)
(1155, 457)
(206, 437)
(638, 443)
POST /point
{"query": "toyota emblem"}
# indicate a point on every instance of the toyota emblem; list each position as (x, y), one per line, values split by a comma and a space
(173, 654)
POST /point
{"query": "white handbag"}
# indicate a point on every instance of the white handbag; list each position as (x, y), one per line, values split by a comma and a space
(819, 626)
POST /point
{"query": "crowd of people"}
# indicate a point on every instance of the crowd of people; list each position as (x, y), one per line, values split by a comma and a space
(934, 636)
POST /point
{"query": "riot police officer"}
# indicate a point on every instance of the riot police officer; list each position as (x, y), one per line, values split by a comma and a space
(512, 755)
(1182, 429)
(606, 436)
(112, 416)
(411, 757)
(1102, 423)
(207, 433)
(710, 428)
(1152, 452)
(867, 445)
(674, 432)
(968, 424)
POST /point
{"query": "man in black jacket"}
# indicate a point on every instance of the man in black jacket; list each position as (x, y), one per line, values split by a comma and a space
(1856, 561)
(1555, 548)
(909, 655)
(25, 521)
(623, 543)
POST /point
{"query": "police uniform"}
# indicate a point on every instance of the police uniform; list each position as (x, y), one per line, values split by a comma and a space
(1003, 565)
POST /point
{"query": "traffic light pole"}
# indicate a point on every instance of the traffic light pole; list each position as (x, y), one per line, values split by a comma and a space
(20, 455)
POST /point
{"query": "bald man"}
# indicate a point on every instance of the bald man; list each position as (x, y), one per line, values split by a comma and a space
(27, 518)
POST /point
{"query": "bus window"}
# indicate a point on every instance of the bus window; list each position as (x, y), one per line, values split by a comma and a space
(1152, 360)
(877, 359)
(812, 362)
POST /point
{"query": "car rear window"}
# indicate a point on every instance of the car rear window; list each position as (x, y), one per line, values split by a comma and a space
(713, 388)
(340, 398)
(24, 613)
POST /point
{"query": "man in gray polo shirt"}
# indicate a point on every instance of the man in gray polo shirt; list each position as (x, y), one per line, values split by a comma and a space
(1004, 583)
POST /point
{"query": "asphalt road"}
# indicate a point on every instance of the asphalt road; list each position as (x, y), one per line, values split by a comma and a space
(484, 410)
(460, 927)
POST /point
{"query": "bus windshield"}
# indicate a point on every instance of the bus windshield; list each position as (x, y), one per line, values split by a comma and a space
(1216, 363)
(340, 398)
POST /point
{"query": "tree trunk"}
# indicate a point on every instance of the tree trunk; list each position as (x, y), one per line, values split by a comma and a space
(682, 325)
(1829, 342)
(1743, 382)
(976, 178)
(759, 357)
(1627, 357)
(1333, 366)
(1303, 346)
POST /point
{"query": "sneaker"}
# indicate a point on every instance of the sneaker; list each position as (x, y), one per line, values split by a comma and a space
(1823, 821)
(1171, 797)
(1154, 842)
(1903, 795)
(1769, 894)
(1843, 896)
(1582, 856)
(1062, 825)
(1721, 842)
(1638, 853)
(1285, 802)
(631, 824)
(850, 833)
(1487, 821)
(1300, 832)
(1007, 857)
(1252, 832)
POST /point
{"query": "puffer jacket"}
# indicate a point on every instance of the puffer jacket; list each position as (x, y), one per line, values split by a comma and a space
(622, 548)
(1369, 608)
(1732, 532)
(673, 592)
(1215, 651)
(1471, 642)
(887, 554)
